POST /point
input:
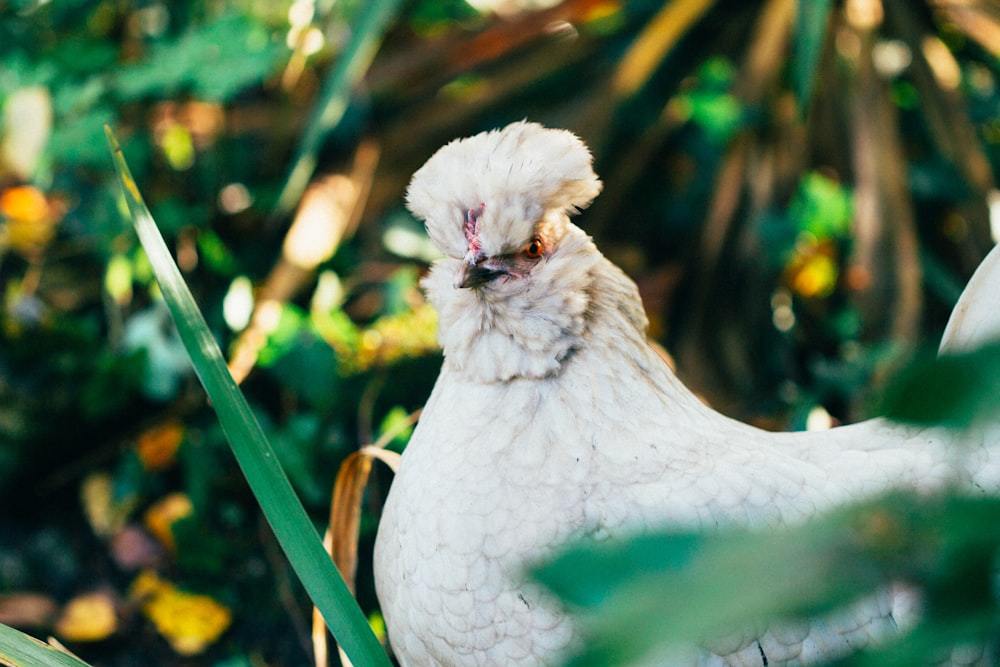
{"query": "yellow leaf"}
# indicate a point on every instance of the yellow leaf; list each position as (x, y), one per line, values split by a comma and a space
(27, 120)
(190, 622)
(816, 278)
(158, 446)
(147, 586)
(178, 147)
(88, 618)
(30, 220)
(396, 337)
(813, 272)
(118, 279)
(105, 513)
(161, 517)
(24, 203)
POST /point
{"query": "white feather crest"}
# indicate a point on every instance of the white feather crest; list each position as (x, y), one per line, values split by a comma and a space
(512, 175)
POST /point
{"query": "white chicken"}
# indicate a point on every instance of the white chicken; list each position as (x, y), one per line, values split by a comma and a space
(553, 419)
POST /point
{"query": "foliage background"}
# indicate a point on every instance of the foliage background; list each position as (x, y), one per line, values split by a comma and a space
(799, 194)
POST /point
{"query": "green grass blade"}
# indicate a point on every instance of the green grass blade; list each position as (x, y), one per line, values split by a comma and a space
(335, 97)
(281, 507)
(19, 650)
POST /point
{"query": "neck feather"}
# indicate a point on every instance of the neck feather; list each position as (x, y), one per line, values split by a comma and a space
(531, 330)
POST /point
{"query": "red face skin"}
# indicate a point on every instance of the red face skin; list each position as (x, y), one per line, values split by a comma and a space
(471, 229)
(478, 270)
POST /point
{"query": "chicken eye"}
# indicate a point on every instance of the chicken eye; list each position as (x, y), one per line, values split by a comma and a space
(534, 249)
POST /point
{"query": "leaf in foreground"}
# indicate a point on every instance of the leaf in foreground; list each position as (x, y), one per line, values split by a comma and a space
(292, 527)
(670, 591)
(20, 650)
(956, 389)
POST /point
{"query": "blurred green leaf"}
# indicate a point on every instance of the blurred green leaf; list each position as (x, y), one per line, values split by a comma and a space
(337, 328)
(589, 576)
(77, 140)
(200, 550)
(85, 55)
(719, 114)
(822, 207)
(430, 18)
(637, 597)
(723, 583)
(291, 525)
(400, 289)
(935, 639)
(295, 444)
(336, 96)
(216, 254)
(956, 389)
(711, 105)
(214, 61)
(305, 364)
(284, 337)
(396, 420)
(113, 382)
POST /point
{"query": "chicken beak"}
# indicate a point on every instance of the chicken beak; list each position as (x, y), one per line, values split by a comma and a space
(474, 274)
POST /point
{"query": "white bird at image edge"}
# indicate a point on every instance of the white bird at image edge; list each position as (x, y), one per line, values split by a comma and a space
(553, 419)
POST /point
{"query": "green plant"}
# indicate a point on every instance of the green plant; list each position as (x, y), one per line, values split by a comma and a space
(288, 519)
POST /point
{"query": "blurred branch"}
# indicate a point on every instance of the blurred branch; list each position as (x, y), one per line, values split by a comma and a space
(335, 97)
(979, 19)
(422, 68)
(759, 165)
(761, 67)
(884, 268)
(341, 539)
(948, 126)
(655, 41)
(812, 19)
(328, 213)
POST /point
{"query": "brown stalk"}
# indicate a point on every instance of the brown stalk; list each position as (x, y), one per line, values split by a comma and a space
(341, 538)
(979, 20)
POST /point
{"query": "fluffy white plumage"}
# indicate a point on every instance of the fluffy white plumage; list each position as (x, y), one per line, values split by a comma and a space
(552, 419)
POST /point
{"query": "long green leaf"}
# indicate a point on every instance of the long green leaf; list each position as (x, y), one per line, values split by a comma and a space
(288, 519)
(19, 650)
(335, 97)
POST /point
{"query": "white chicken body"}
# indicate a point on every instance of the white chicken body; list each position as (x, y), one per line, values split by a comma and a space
(553, 419)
